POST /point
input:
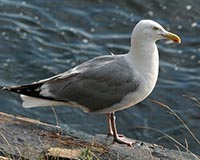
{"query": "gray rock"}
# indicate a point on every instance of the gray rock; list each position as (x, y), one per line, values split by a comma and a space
(30, 139)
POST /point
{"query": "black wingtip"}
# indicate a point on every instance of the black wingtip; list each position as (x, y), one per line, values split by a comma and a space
(5, 88)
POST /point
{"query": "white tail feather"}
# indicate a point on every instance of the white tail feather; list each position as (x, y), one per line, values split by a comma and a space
(31, 102)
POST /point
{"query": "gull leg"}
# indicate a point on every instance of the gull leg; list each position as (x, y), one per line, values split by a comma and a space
(110, 132)
(118, 138)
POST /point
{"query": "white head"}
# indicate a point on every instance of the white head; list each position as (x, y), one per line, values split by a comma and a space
(148, 30)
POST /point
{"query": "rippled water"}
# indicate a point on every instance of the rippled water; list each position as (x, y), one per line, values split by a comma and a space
(40, 38)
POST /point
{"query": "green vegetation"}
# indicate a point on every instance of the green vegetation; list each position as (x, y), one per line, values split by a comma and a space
(86, 154)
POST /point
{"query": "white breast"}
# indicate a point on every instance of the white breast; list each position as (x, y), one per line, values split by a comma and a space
(145, 67)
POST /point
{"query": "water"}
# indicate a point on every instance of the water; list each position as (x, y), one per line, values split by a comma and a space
(42, 38)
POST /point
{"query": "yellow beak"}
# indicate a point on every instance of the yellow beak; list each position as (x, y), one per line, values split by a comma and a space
(172, 37)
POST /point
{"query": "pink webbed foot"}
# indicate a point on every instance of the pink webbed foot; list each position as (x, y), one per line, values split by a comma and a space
(112, 131)
(123, 140)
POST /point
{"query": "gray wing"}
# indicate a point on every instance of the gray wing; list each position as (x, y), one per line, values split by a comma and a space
(95, 84)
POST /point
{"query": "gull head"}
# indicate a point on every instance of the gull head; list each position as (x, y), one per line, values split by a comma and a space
(149, 30)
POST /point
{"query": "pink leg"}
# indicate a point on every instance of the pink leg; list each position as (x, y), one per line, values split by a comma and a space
(110, 132)
(118, 138)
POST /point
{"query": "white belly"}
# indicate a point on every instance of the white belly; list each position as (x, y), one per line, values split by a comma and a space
(147, 74)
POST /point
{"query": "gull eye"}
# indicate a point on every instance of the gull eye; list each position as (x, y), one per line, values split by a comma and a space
(155, 28)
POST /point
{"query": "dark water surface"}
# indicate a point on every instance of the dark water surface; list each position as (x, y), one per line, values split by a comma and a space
(40, 38)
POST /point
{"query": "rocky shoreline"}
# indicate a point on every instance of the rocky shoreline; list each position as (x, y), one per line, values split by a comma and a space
(24, 138)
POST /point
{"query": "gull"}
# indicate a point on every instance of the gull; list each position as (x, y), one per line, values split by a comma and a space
(105, 84)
